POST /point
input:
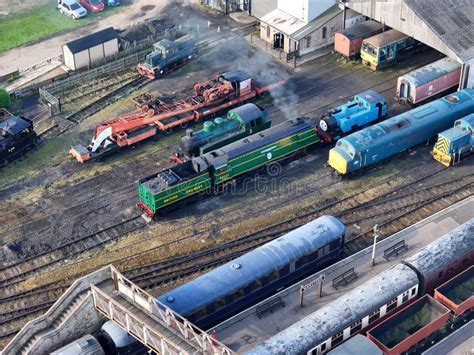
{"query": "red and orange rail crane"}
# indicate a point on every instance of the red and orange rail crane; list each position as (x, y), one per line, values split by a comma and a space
(153, 115)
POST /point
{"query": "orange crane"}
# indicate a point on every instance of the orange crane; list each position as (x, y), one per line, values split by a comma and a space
(224, 91)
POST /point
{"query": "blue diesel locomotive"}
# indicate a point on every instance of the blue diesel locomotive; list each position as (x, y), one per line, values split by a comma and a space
(232, 287)
(397, 134)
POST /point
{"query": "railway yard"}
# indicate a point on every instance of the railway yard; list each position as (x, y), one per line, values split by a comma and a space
(62, 220)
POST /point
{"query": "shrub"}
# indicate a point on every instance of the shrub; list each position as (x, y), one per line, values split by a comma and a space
(5, 100)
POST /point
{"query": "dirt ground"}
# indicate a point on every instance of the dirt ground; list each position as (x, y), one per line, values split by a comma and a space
(131, 12)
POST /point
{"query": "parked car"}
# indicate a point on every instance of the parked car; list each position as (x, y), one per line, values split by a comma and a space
(112, 2)
(71, 8)
(93, 5)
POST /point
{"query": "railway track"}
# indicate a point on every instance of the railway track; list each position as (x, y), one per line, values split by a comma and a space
(417, 201)
(11, 275)
(415, 205)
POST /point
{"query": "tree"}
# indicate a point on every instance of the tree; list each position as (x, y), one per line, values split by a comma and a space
(5, 100)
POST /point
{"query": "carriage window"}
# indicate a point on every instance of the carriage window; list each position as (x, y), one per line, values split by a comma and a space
(336, 339)
(219, 303)
(334, 245)
(392, 305)
(326, 249)
(374, 316)
(238, 294)
(325, 30)
(413, 290)
(300, 262)
(284, 270)
(222, 169)
(256, 285)
(199, 314)
(253, 123)
(268, 31)
(272, 276)
(356, 327)
(313, 256)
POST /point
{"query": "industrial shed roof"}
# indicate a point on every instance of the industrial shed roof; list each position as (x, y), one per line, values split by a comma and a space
(92, 40)
(451, 20)
(294, 27)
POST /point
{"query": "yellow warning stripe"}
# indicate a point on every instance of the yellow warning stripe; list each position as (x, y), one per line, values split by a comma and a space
(442, 145)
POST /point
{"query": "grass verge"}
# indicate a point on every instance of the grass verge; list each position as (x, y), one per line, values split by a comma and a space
(39, 22)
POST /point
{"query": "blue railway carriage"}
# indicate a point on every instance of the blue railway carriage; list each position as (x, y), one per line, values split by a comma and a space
(455, 143)
(386, 49)
(232, 287)
(397, 134)
(364, 109)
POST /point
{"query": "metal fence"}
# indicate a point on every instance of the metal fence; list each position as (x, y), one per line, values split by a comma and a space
(51, 101)
(110, 68)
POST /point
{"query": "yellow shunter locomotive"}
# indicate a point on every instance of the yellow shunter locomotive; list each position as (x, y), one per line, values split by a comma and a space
(455, 143)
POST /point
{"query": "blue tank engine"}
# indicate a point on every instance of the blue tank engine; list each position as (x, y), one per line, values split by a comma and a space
(455, 143)
(232, 287)
(399, 133)
(364, 109)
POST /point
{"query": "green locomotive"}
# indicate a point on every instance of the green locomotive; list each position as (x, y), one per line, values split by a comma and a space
(177, 185)
(239, 123)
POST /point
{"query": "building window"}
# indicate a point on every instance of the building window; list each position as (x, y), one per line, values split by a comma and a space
(308, 41)
(325, 30)
(268, 31)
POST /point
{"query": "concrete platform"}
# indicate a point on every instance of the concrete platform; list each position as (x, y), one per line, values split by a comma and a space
(245, 330)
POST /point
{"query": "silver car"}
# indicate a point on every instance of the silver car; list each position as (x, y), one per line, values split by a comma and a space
(71, 8)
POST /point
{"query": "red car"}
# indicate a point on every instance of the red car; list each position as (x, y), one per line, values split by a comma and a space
(92, 5)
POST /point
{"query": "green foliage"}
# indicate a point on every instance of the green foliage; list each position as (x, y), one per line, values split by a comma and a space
(5, 100)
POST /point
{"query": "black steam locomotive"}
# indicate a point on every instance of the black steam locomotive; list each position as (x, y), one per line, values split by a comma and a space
(16, 137)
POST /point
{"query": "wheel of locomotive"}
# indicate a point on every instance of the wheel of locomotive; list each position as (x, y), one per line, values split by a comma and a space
(169, 130)
(184, 124)
(327, 124)
(274, 169)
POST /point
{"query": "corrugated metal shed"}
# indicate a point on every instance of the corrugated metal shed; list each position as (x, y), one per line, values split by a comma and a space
(451, 20)
(253, 265)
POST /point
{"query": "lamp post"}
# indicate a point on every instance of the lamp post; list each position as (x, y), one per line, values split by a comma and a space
(376, 234)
